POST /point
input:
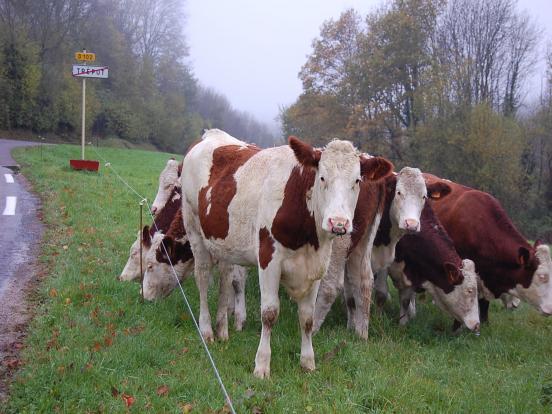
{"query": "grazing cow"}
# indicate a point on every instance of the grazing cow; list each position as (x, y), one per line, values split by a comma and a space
(505, 261)
(163, 220)
(279, 208)
(160, 280)
(401, 199)
(428, 260)
(168, 180)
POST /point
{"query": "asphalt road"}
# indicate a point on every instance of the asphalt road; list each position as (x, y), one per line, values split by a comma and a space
(18, 216)
(20, 235)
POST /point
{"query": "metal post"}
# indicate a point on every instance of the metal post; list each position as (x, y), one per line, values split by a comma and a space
(83, 114)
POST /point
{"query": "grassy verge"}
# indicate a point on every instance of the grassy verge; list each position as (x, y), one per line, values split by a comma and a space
(93, 345)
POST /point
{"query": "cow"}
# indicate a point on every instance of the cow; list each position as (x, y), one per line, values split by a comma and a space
(401, 199)
(505, 261)
(163, 220)
(173, 248)
(429, 261)
(278, 208)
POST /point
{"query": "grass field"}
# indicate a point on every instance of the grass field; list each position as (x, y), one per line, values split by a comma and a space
(93, 344)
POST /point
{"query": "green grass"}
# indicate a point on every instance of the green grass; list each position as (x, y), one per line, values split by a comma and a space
(93, 338)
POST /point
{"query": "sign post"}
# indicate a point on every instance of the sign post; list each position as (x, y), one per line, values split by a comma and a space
(85, 71)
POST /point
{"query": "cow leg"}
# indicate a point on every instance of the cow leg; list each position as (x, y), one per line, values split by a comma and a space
(306, 307)
(407, 305)
(359, 281)
(239, 276)
(483, 310)
(269, 283)
(330, 286)
(202, 270)
(225, 286)
(382, 290)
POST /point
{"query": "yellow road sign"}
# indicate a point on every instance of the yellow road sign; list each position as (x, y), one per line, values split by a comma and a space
(91, 57)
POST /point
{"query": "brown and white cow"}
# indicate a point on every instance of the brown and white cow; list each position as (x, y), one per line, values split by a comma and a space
(505, 261)
(163, 219)
(428, 260)
(397, 211)
(279, 208)
(173, 248)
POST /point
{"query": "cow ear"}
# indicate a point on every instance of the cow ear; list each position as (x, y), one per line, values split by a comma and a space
(179, 169)
(454, 276)
(523, 256)
(375, 168)
(438, 190)
(146, 237)
(305, 154)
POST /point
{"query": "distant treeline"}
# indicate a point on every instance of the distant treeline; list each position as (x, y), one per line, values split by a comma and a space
(438, 84)
(151, 95)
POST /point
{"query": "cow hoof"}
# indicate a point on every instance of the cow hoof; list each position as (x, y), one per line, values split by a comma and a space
(239, 324)
(208, 336)
(262, 372)
(307, 363)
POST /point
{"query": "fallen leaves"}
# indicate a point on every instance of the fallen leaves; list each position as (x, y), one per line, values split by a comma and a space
(11, 362)
(128, 399)
(186, 408)
(163, 390)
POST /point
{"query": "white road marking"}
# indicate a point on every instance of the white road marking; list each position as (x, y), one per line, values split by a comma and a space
(9, 178)
(10, 206)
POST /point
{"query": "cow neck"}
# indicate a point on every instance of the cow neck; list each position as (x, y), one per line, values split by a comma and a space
(425, 253)
(294, 225)
(388, 230)
(214, 199)
(182, 253)
(371, 200)
(176, 229)
(165, 216)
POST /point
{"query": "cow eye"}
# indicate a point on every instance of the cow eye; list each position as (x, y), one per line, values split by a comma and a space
(470, 290)
(322, 179)
(424, 197)
(358, 181)
(398, 193)
(150, 266)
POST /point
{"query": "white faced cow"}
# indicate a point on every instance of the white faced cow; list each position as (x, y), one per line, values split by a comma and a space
(278, 208)
(403, 197)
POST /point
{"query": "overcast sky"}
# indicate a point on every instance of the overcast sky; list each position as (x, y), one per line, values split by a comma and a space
(252, 50)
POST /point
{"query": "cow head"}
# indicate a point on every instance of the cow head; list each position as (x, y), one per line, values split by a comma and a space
(159, 279)
(167, 181)
(339, 172)
(462, 301)
(408, 192)
(539, 292)
(131, 271)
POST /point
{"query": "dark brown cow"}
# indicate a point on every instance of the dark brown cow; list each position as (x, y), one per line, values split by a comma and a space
(428, 260)
(505, 261)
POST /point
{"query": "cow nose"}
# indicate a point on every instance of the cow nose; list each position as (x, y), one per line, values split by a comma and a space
(339, 225)
(153, 210)
(411, 224)
(119, 278)
(475, 329)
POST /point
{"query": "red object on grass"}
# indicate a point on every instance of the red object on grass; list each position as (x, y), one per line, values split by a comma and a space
(89, 165)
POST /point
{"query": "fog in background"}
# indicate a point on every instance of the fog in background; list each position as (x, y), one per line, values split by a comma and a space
(251, 51)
